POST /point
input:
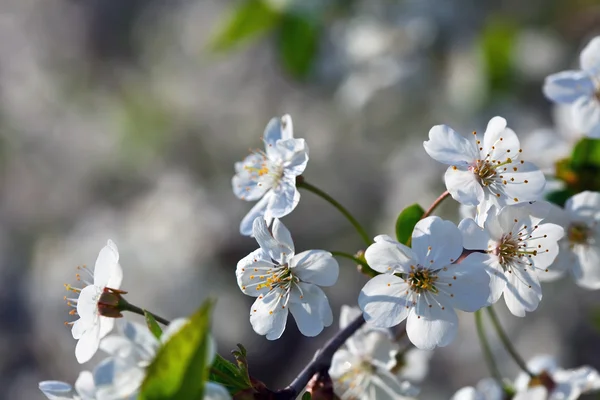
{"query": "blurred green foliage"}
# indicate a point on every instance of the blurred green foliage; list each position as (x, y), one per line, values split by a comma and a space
(496, 42)
(405, 224)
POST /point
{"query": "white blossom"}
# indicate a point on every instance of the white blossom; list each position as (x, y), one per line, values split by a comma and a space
(580, 89)
(490, 171)
(270, 176)
(364, 367)
(486, 389)
(84, 388)
(520, 246)
(91, 326)
(423, 284)
(282, 280)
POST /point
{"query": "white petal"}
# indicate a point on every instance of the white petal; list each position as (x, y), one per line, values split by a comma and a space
(467, 393)
(348, 314)
(250, 269)
(436, 242)
(84, 385)
(567, 86)
(341, 362)
(584, 205)
(284, 199)
(523, 291)
(139, 335)
(463, 186)
(87, 304)
(448, 147)
(525, 184)
(586, 271)
(474, 237)
(107, 271)
(294, 155)
(564, 261)
(87, 345)
(383, 301)
(534, 393)
(275, 249)
(545, 243)
(430, 327)
(244, 183)
(267, 315)
(497, 139)
(589, 59)
(310, 308)
(56, 390)
(315, 266)
(106, 325)
(257, 211)
(467, 284)
(283, 236)
(388, 256)
(498, 279)
(214, 391)
(586, 115)
(272, 133)
(78, 328)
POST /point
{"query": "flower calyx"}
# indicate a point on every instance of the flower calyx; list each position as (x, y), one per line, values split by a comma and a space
(111, 303)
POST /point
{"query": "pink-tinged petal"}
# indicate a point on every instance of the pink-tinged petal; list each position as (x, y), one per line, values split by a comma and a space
(431, 327)
(474, 237)
(523, 292)
(249, 271)
(267, 315)
(284, 199)
(568, 86)
(448, 147)
(388, 256)
(257, 211)
(586, 116)
(87, 345)
(87, 304)
(586, 271)
(107, 269)
(315, 266)
(524, 182)
(466, 285)
(464, 186)
(589, 60)
(436, 242)
(310, 308)
(384, 301)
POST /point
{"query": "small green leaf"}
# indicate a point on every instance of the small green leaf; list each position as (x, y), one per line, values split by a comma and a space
(248, 20)
(180, 367)
(306, 396)
(229, 375)
(586, 153)
(298, 43)
(406, 222)
(559, 197)
(152, 324)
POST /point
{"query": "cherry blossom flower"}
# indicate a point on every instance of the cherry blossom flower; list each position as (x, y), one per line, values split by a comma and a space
(580, 247)
(282, 280)
(554, 383)
(91, 325)
(364, 367)
(423, 284)
(519, 246)
(270, 176)
(581, 89)
(490, 171)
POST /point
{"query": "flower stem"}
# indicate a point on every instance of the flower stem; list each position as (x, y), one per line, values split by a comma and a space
(362, 265)
(485, 347)
(435, 204)
(506, 342)
(321, 362)
(300, 182)
(140, 311)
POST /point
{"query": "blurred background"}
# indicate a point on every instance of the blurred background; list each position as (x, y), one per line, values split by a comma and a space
(122, 120)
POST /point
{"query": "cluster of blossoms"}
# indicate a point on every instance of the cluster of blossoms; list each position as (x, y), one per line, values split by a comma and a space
(511, 243)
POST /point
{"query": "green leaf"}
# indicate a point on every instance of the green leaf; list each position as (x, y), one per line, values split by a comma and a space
(306, 396)
(298, 42)
(248, 20)
(229, 375)
(586, 153)
(180, 367)
(405, 224)
(152, 324)
(559, 197)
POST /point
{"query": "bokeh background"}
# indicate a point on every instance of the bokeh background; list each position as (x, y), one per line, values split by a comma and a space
(122, 119)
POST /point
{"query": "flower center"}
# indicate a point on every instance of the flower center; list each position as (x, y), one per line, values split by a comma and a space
(513, 247)
(267, 172)
(578, 233)
(421, 280)
(281, 277)
(485, 171)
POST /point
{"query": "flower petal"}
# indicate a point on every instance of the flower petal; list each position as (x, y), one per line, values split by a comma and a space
(567, 86)
(315, 266)
(107, 271)
(294, 155)
(586, 271)
(78, 328)
(283, 236)
(87, 304)
(310, 308)
(245, 183)
(430, 327)
(584, 206)
(341, 362)
(250, 269)
(267, 315)
(436, 242)
(284, 199)
(56, 390)
(384, 301)
(388, 256)
(84, 385)
(214, 391)
(275, 249)
(87, 345)
(545, 245)
(589, 59)
(463, 186)
(523, 291)
(448, 147)
(474, 237)
(273, 133)
(257, 211)
(586, 116)
(525, 182)
(106, 325)
(498, 279)
(466, 285)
